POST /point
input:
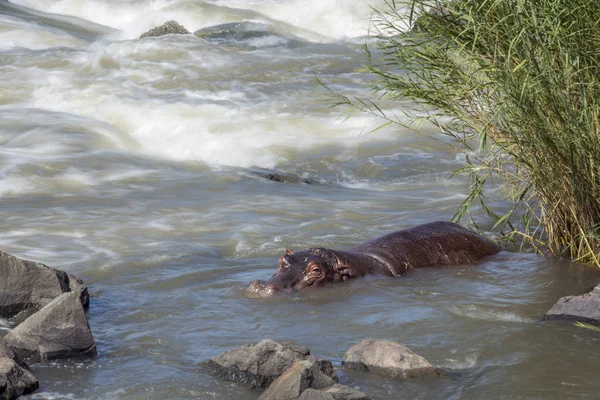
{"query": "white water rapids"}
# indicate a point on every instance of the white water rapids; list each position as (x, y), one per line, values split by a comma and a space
(141, 165)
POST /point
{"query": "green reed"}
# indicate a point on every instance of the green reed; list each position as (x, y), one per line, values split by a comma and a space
(515, 85)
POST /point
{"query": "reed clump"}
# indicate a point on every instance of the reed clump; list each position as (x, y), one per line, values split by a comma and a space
(516, 85)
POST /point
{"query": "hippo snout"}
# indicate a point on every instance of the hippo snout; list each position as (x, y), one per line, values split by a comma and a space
(261, 289)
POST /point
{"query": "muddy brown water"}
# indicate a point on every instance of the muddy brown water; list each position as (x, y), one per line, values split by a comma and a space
(132, 164)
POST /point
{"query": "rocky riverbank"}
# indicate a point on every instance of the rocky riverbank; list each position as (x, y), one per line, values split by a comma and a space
(50, 306)
(289, 371)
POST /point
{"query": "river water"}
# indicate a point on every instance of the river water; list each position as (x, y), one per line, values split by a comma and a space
(139, 165)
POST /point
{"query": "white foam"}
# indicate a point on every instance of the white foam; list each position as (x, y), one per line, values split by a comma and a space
(454, 364)
(217, 134)
(5, 325)
(480, 313)
(65, 182)
(330, 18)
(311, 18)
(133, 18)
(15, 32)
(15, 186)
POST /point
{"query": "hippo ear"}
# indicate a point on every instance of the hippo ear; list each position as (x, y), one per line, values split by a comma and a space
(288, 252)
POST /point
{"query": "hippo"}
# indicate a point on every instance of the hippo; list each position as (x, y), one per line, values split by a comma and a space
(433, 244)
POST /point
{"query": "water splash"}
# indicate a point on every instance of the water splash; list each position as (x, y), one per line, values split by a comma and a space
(492, 315)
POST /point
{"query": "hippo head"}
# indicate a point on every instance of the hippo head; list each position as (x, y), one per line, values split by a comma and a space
(312, 267)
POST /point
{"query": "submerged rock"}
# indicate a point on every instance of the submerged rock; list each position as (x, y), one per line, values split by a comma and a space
(387, 358)
(168, 28)
(259, 365)
(282, 177)
(58, 330)
(28, 285)
(247, 35)
(585, 308)
(235, 30)
(15, 377)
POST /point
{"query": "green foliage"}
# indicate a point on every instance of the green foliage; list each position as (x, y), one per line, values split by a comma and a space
(515, 85)
(587, 326)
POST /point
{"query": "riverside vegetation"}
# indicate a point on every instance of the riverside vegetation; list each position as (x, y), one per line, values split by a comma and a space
(514, 85)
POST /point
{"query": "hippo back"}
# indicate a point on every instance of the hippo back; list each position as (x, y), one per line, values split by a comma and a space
(432, 244)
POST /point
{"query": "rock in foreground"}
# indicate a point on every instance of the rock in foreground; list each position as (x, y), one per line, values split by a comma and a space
(585, 308)
(259, 365)
(15, 378)
(169, 27)
(299, 377)
(387, 358)
(28, 285)
(59, 330)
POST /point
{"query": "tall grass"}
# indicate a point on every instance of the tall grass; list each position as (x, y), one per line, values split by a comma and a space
(518, 85)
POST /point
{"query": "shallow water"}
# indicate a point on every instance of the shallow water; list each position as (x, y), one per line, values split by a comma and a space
(136, 165)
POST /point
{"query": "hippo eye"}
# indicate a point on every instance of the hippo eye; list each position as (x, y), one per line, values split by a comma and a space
(313, 268)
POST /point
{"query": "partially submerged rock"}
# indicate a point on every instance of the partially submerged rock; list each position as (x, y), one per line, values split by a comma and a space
(335, 392)
(294, 381)
(28, 285)
(15, 378)
(585, 308)
(281, 177)
(259, 365)
(387, 358)
(169, 27)
(235, 31)
(248, 35)
(58, 330)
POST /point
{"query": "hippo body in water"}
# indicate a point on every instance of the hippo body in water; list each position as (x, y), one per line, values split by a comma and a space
(428, 245)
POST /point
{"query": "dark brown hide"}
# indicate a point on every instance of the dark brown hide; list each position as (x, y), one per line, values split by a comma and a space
(428, 245)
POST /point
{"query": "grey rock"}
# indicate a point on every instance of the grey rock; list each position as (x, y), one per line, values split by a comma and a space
(169, 27)
(295, 380)
(235, 30)
(343, 392)
(58, 330)
(248, 35)
(259, 365)
(7, 351)
(335, 392)
(281, 177)
(26, 285)
(585, 308)
(15, 377)
(314, 394)
(76, 285)
(387, 358)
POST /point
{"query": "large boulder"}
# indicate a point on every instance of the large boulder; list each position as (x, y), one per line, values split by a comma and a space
(585, 308)
(259, 365)
(28, 285)
(387, 358)
(299, 377)
(15, 378)
(58, 330)
(168, 28)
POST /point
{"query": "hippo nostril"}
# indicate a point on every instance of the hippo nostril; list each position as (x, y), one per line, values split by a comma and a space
(256, 286)
(268, 290)
(261, 289)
